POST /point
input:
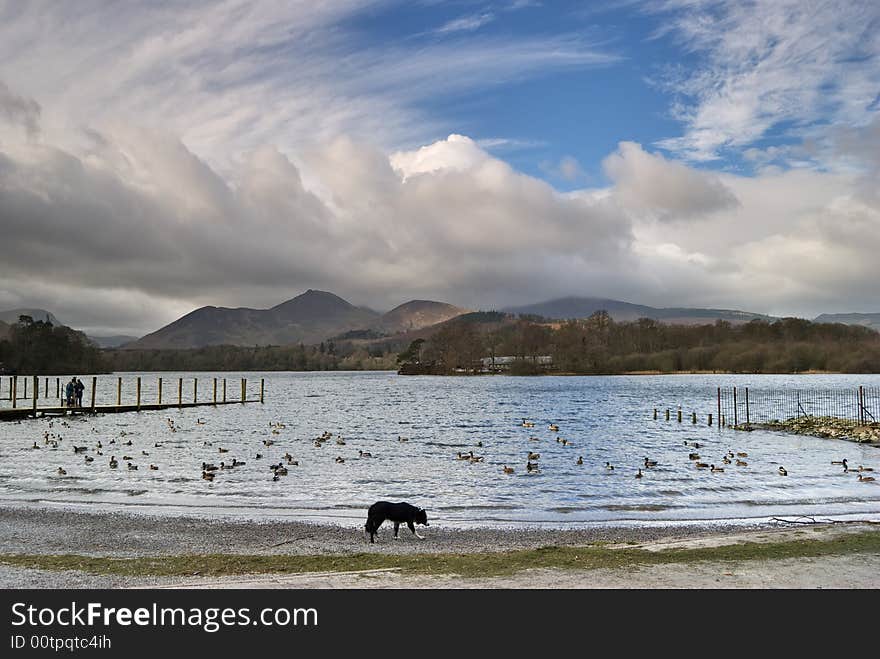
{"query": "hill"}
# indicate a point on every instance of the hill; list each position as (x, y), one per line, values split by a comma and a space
(417, 314)
(307, 318)
(583, 307)
(10, 317)
(870, 320)
(112, 341)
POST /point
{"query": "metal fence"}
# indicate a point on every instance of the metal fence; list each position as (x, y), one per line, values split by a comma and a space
(738, 405)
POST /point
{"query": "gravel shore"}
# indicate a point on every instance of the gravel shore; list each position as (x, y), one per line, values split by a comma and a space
(50, 531)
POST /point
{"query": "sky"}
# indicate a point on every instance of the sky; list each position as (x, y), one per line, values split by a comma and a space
(157, 157)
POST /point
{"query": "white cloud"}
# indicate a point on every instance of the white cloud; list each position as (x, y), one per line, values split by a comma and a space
(146, 229)
(466, 23)
(229, 77)
(668, 189)
(770, 65)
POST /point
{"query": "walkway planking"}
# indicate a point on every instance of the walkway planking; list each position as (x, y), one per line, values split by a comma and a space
(13, 414)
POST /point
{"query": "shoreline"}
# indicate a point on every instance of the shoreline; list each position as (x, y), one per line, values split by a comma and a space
(63, 549)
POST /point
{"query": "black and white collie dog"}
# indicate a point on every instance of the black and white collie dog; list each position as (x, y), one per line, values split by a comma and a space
(399, 513)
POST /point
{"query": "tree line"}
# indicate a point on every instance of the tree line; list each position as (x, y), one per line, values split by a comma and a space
(595, 345)
(41, 348)
(599, 345)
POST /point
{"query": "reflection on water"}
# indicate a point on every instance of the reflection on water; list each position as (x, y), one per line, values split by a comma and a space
(605, 419)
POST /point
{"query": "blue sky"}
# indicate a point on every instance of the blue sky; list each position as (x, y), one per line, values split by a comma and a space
(544, 116)
(155, 157)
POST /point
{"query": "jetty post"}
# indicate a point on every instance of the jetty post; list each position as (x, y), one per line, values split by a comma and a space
(119, 391)
(160, 391)
(46, 391)
(679, 415)
(694, 418)
(224, 390)
(215, 391)
(710, 419)
(179, 392)
(139, 394)
(719, 407)
(195, 390)
(36, 393)
(12, 392)
(655, 414)
(262, 388)
(667, 414)
(243, 388)
(94, 386)
(25, 388)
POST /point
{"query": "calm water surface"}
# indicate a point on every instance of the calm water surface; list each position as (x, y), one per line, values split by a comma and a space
(606, 419)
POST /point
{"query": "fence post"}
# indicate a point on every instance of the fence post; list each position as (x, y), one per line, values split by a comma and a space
(13, 393)
(215, 391)
(57, 387)
(94, 386)
(139, 395)
(243, 388)
(46, 391)
(262, 388)
(735, 419)
(224, 390)
(25, 388)
(36, 393)
(195, 390)
(179, 392)
(719, 407)
(160, 391)
(748, 417)
(861, 405)
(119, 391)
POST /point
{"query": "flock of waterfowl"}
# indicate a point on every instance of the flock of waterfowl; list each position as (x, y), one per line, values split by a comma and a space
(736, 459)
(53, 439)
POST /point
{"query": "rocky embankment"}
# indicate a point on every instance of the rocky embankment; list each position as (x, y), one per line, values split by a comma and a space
(823, 426)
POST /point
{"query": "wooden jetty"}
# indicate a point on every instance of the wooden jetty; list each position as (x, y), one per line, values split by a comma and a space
(30, 407)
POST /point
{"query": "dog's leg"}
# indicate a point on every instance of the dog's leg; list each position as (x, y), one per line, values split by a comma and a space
(412, 527)
(396, 529)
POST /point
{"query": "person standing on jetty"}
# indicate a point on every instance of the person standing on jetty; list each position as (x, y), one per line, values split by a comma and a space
(79, 387)
(68, 392)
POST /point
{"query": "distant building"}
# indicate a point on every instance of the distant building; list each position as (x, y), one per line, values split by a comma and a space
(504, 363)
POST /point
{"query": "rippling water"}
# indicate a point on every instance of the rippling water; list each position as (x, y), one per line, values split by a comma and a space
(606, 419)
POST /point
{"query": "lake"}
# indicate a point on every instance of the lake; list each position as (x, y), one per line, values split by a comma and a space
(605, 419)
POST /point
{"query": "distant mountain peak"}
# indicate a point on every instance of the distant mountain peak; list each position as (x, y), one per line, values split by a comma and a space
(309, 317)
(416, 314)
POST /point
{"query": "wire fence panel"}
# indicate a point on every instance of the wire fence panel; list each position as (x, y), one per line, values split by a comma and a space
(739, 405)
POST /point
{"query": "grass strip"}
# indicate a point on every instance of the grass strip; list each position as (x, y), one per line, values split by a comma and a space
(464, 564)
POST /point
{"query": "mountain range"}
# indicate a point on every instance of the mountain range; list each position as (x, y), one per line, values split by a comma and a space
(316, 316)
(311, 317)
(583, 307)
(871, 320)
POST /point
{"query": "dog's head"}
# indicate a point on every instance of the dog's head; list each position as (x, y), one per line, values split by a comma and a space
(422, 517)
